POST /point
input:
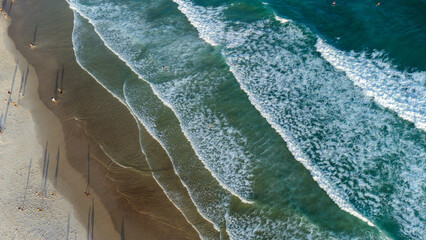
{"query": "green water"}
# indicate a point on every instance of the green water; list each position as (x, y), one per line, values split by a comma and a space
(270, 140)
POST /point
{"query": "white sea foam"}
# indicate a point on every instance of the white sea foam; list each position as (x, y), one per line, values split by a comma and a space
(147, 122)
(153, 131)
(206, 20)
(402, 92)
(339, 197)
(257, 226)
(235, 175)
(174, 198)
(194, 15)
(281, 20)
(173, 195)
(211, 213)
(328, 125)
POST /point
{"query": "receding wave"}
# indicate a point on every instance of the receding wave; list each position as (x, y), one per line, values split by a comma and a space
(214, 146)
(80, 47)
(211, 200)
(353, 148)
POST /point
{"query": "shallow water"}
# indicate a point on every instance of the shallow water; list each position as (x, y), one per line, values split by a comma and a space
(276, 126)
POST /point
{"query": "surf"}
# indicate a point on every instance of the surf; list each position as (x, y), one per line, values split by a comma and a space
(237, 182)
(265, 71)
(120, 95)
(401, 92)
(217, 211)
(313, 107)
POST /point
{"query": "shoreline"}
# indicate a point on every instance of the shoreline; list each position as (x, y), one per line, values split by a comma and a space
(111, 207)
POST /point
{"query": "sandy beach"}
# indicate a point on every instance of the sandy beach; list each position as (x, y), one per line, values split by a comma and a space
(20, 155)
(187, 119)
(32, 134)
(38, 130)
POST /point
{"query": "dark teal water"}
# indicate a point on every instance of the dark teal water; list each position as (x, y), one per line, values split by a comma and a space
(395, 27)
(283, 119)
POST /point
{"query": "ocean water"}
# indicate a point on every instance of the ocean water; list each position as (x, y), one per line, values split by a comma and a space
(282, 119)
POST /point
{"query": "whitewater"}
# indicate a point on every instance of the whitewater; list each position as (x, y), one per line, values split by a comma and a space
(216, 212)
(326, 104)
(267, 73)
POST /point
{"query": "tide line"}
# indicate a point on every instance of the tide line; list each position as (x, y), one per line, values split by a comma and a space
(246, 201)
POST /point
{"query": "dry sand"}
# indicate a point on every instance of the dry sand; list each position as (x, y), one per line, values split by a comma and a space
(18, 145)
(21, 141)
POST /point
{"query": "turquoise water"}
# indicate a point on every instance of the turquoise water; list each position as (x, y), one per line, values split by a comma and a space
(283, 119)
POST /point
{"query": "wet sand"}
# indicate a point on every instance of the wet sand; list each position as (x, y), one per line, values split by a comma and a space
(89, 115)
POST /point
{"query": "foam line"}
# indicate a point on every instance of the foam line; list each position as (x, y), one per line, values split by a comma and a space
(192, 12)
(402, 92)
(281, 20)
(195, 146)
(277, 79)
(150, 131)
(328, 124)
